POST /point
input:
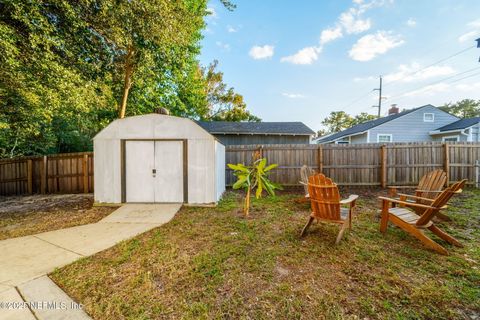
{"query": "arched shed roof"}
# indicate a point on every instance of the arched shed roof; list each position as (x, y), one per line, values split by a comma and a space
(153, 126)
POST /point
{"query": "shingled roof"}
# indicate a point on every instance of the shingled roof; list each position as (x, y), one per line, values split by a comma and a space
(273, 128)
(362, 127)
(460, 124)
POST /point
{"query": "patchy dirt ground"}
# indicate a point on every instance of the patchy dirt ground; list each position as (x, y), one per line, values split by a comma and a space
(25, 215)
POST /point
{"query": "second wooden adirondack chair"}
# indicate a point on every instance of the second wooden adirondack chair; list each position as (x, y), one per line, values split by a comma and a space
(432, 181)
(416, 224)
(327, 206)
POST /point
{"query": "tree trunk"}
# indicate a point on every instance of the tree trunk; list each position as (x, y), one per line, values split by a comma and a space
(127, 84)
(246, 209)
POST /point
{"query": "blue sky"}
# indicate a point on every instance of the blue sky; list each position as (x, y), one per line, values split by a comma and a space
(300, 60)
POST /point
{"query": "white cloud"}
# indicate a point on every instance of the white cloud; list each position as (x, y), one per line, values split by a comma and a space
(330, 34)
(352, 23)
(474, 27)
(224, 46)
(262, 52)
(468, 36)
(414, 72)
(293, 95)
(211, 12)
(304, 56)
(372, 45)
(411, 22)
(430, 90)
(232, 29)
(470, 87)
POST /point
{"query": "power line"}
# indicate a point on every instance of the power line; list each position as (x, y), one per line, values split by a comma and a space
(435, 82)
(430, 65)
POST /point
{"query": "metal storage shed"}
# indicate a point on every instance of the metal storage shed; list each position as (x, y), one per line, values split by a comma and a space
(158, 158)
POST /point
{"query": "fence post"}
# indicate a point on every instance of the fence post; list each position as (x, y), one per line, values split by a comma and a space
(29, 176)
(320, 158)
(43, 180)
(383, 167)
(477, 174)
(446, 162)
(85, 173)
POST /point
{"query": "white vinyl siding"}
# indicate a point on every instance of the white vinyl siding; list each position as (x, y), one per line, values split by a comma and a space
(382, 137)
(428, 117)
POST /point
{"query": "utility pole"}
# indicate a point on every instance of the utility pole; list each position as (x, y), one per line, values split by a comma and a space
(379, 89)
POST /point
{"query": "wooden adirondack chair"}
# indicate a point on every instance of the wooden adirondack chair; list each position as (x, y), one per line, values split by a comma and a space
(305, 172)
(432, 181)
(416, 224)
(456, 188)
(326, 204)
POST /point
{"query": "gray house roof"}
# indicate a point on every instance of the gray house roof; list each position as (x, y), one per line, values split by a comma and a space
(460, 124)
(362, 127)
(273, 128)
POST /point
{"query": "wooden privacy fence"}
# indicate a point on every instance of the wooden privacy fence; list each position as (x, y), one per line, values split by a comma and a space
(354, 165)
(59, 173)
(363, 164)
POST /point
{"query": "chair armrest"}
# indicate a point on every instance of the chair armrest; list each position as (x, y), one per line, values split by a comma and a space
(350, 199)
(410, 204)
(303, 183)
(415, 197)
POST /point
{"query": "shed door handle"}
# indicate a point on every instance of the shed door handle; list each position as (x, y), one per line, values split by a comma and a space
(154, 172)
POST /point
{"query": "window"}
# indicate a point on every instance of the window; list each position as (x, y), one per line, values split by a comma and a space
(428, 117)
(342, 142)
(451, 139)
(384, 138)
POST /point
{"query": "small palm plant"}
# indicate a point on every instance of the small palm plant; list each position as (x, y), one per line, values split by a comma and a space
(254, 176)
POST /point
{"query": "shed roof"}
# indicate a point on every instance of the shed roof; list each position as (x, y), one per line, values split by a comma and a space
(362, 127)
(274, 128)
(460, 124)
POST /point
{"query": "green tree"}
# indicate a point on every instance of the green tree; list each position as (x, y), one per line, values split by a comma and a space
(223, 103)
(466, 108)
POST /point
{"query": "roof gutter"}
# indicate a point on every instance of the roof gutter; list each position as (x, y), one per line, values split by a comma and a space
(461, 131)
(345, 136)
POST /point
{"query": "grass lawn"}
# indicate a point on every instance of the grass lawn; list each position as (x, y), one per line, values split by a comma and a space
(212, 263)
(21, 216)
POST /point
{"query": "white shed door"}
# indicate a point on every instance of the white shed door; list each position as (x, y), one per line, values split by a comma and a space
(154, 171)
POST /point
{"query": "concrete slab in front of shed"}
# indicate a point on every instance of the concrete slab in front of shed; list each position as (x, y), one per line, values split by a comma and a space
(25, 258)
(144, 213)
(92, 238)
(58, 304)
(16, 310)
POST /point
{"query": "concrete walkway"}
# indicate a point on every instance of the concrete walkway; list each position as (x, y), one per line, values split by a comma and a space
(25, 261)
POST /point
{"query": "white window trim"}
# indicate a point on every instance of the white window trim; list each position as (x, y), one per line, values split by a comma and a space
(433, 117)
(449, 137)
(386, 135)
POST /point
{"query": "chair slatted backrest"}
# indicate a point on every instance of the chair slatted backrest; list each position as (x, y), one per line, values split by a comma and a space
(440, 201)
(432, 181)
(306, 172)
(324, 197)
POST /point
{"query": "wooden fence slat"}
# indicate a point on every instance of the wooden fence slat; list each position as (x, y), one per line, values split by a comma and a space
(85, 173)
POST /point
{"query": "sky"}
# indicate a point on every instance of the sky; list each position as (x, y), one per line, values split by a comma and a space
(300, 60)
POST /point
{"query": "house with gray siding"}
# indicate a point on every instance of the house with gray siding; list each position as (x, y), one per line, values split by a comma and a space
(414, 125)
(247, 133)
(461, 130)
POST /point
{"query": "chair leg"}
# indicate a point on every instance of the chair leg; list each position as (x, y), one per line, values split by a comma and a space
(384, 219)
(445, 236)
(417, 233)
(306, 226)
(342, 231)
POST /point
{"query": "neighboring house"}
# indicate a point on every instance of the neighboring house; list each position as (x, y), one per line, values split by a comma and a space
(461, 130)
(414, 125)
(245, 133)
